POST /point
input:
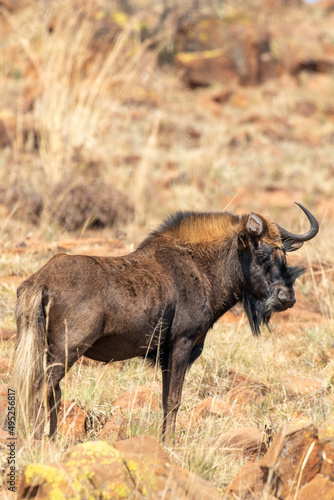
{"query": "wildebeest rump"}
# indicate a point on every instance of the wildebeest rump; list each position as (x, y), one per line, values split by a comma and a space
(158, 302)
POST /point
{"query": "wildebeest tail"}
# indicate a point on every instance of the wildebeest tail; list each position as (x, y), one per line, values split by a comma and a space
(28, 357)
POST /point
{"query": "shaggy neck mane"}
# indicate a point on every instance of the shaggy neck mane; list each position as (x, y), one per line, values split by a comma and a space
(198, 228)
(207, 229)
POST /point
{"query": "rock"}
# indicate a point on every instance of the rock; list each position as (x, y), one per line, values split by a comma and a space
(71, 420)
(294, 458)
(142, 445)
(97, 470)
(212, 407)
(319, 487)
(247, 442)
(201, 69)
(299, 47)
(137, 398)
(207, 103)
(3, 406)
(5, 365)
(244, 390)
(7, 128)
(306, 108)
(297, 385)
(115, 427)
(248, 483)
(210, 50)
(23, 201)
(6, 334)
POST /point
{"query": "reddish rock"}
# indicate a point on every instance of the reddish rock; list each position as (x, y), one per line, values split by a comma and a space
(319, 487)
(4, 436)
(306, 108)
(326, 438)
(247, 441)
(115, 427)
(213, 51)
(137, 398)
(142, 445)
(212, 407)
(248, 483)
(205, 102)
(5, 365)
(11, 127)
(244, 390)
(201, 69)
(6, 334)
(239, 99)
(294, 458)
(71, 420)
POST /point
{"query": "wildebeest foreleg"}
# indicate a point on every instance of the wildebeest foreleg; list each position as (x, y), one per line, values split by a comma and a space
(47, 394)
(54, 404)
(173, 379)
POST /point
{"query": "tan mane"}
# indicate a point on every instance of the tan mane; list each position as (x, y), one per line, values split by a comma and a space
(209, 228)
(203, 228)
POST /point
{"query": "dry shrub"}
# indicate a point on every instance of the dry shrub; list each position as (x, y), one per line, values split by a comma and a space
(80, 205)
(23, 201)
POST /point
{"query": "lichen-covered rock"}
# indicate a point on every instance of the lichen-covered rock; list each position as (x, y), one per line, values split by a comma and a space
(293, 459)
(97, 470)
(247, 441)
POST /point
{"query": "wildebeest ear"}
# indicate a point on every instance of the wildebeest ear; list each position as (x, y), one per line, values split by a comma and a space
(254, 225)
(242, 240)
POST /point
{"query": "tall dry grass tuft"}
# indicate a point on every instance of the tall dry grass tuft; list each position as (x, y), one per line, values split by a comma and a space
(82, 86)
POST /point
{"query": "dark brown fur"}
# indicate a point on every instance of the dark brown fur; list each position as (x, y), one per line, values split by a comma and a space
(158, 302)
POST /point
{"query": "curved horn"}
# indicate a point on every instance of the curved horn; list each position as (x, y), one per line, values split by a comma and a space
(293, 241)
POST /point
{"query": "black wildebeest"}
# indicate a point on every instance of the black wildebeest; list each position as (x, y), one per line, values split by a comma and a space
(158, 302)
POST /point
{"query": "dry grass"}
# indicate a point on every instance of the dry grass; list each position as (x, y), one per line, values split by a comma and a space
(167, 151)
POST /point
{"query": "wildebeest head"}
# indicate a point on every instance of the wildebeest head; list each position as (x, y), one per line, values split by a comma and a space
(268, 280)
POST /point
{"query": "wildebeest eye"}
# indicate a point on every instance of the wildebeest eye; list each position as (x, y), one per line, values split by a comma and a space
(260, 253)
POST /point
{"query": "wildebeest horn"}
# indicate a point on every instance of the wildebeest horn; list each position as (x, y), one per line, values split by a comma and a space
(293, 241)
